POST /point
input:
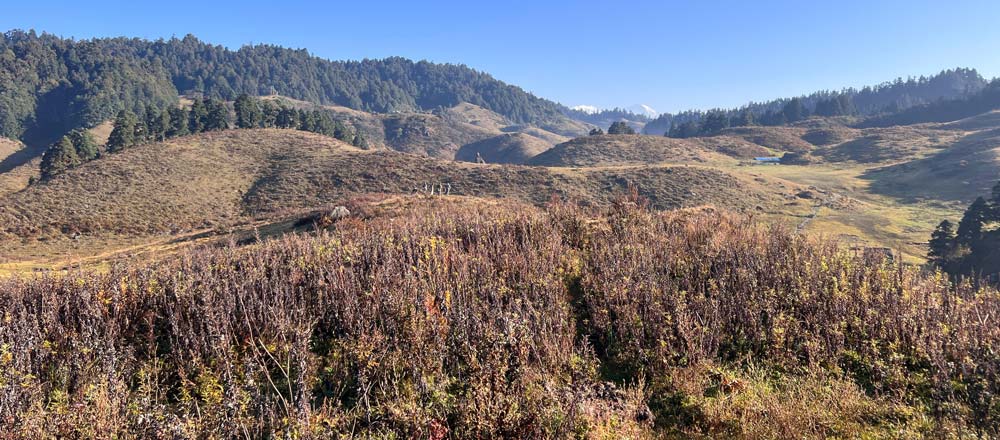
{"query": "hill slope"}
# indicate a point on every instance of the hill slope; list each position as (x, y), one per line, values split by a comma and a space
(15, 167)
(608, 150)
(233, 176)
(505, 148)
(440, 133)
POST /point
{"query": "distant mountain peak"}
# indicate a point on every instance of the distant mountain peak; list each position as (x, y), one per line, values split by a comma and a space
(643, 109)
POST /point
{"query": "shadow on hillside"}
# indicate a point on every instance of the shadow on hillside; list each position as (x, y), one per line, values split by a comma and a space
(51, 123)
(21, 157)
(978, 122)
(966, 170)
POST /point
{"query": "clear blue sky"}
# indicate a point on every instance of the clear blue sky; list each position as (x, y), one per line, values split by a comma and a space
(670, 55)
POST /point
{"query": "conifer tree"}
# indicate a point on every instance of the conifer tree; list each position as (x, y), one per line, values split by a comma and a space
(217, 117)
(198, 116)
(970, 228)
(360, 141)
(324, 124)
(178, 122)
(248, 112)
(60, 157)
(84, 144)
(714, 122)
(746, 119)
(287, 118)
(306, 121)
(794, 110)
(156, 126)
(269, 114)
(123, 135)
(994, 203)
(942, 244)
(620, 127)
(341, 132)
(683, 130)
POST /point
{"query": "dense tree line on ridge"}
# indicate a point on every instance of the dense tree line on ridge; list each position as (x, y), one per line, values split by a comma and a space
(55, 85)
(617, 127)
(157, 125)
(943, 110)
(601, 117)
(887, 98)
(973, 248)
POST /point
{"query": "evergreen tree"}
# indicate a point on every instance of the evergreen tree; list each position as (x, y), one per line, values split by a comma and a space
(217, 117)
(123, 135)
(683, 130)
(306, 121)
(360, 141)
(942, 244)
(84, 144)
(846, 104)
(829, 107)
(746, 119)
(596, 132)
(620, 127)
(60, 157)
(287, 118)
(248, 112)
(324, 124)
(198, 116)
(970, 228)
(772, 118)
(794, 110)
(974, 249)
(139, 134)
(341, 132)
(994, 203)
(269, 114)
(714, 122)
(156, 125)
(178, 122)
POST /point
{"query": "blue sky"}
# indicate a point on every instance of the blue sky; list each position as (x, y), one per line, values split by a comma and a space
(671, 55)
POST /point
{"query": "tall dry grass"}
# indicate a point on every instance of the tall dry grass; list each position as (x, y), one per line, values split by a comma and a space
(482, 323)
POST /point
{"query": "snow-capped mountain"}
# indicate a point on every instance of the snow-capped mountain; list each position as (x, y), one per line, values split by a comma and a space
(643, 109)
(588, 109)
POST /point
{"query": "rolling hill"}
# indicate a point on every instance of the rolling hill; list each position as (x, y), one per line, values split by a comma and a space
(878, 186)
(231, 177)
(441, 133)
(611, 150)
(514, 148)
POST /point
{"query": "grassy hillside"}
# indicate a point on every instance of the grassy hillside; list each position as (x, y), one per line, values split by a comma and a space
(15, 168)
(869, 187)
(609, 150)
(8, 147)
(506, 148)
(775, 138)
(440, 134)
(504, 321)
(967, 168)
(231, 179)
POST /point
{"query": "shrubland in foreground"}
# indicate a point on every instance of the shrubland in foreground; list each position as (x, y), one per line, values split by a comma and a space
(464, 322)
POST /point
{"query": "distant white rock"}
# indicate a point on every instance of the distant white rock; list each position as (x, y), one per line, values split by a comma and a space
(643, 109)
(588, 109)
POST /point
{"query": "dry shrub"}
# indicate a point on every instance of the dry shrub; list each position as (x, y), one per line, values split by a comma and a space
(477, 322)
